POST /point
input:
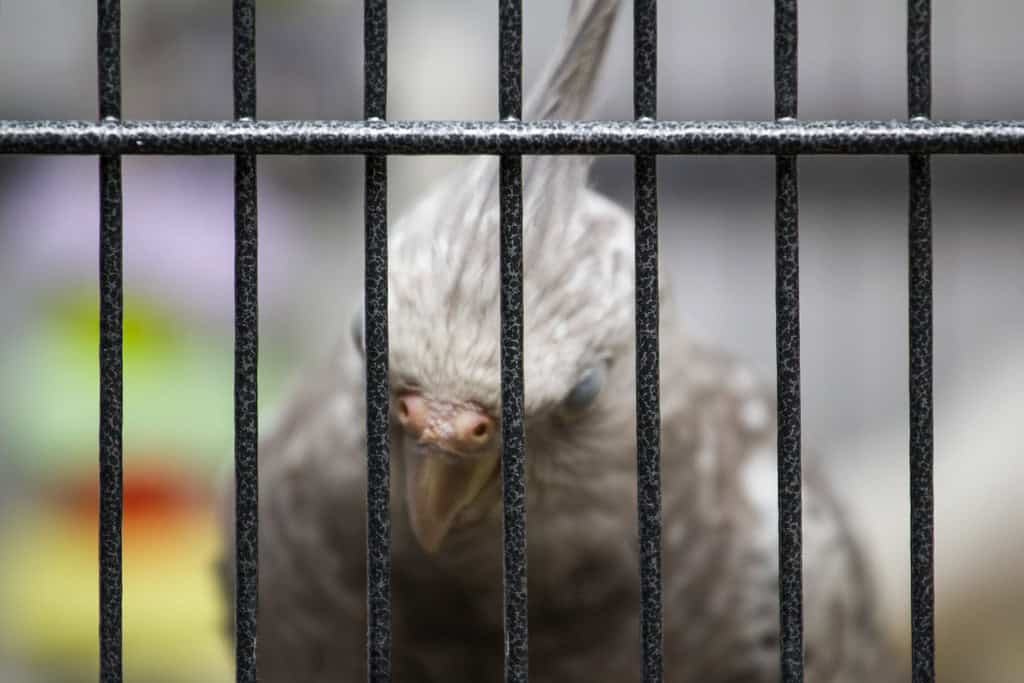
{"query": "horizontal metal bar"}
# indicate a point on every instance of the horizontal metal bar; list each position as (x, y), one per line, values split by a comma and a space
(539, 137)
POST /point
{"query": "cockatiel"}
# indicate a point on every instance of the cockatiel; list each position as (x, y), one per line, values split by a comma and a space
(718, 462)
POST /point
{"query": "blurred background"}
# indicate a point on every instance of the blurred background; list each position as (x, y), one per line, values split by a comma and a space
(717, 226)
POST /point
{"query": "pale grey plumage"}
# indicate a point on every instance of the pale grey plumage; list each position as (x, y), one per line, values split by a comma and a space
(719, 557)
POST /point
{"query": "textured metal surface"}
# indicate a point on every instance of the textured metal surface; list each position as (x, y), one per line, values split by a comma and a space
(786, 62)
(922, 598)
(922, 530)
(507, 137)
(919, 57)
(513, 446)
(111, 411)
(787, 335)
(645, 59)
(108, 51)
(375, 311)
(244, 55)
(510, 59)
(787, 349)
(648, 413)
(246, 355)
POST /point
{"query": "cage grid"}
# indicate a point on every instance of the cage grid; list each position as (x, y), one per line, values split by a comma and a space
(644, 138)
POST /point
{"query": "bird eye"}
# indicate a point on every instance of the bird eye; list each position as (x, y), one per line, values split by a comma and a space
(586, 389)
(356, 330)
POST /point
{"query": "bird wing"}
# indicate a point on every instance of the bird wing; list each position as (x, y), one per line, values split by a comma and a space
(720, 538)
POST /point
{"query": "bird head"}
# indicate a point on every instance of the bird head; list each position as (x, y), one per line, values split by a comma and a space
(444, 310)
(445, 344)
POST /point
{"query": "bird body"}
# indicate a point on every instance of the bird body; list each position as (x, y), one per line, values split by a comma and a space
(720, 590)
(719, 557)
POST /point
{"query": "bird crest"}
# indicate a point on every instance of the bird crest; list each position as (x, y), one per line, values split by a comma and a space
(577, 253)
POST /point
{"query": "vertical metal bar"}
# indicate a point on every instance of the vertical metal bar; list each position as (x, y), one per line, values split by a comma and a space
(513, 452)
(375, 310)
(919, 58)
(246, 354)
(787, 331)
(648, 411)
(922, 569)
(108, 47)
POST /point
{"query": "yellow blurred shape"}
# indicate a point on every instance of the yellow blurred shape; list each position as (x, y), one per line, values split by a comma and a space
(172, 609)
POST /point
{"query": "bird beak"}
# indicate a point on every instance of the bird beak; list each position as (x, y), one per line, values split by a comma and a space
(439, 486)
(451, 455)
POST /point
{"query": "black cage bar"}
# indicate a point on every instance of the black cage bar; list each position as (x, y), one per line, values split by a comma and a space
(922, 553)
(510, 138)
(375, 324)
(513, 477)
(648, 411)
(787, 349)
(108, 49)
(246, 352)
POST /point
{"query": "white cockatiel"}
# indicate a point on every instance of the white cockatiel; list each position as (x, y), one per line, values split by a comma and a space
(720, 586)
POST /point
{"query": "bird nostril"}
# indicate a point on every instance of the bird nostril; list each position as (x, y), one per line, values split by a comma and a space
(481, 430)
(403, 410)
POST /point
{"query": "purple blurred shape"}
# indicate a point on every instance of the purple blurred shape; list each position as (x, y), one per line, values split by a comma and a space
(178, 234)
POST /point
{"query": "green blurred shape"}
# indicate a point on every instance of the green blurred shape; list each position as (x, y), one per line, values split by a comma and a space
(178, 384)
